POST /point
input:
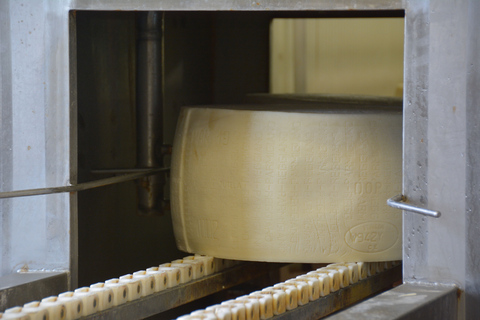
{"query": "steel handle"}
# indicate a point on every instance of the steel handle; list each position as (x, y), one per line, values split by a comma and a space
(137, 174)
(398, 202)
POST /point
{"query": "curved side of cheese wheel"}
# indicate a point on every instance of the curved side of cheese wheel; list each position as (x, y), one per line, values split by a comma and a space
(286, 186)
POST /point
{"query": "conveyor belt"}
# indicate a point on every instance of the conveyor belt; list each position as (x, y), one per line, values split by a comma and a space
(184, 293)
(194, 277)
(317, 307)
(182, 281)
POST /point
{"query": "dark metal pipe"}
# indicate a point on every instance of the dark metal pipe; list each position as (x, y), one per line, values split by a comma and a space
(149, 111)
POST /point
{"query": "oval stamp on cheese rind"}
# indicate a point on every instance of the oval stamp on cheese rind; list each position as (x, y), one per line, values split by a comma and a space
(372, 237)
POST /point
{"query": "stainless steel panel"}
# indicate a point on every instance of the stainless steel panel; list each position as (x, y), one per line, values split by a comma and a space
(237, 5)
(472, 159)
(6, 154)
(440, 155)
(35, 135)
(407, 301)
(415, 142)
(20, 288)
(441, 135)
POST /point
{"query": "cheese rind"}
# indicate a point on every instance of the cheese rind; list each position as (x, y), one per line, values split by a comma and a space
(287, 187)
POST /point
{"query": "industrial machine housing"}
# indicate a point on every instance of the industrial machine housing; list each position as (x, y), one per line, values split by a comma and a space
(58, 64)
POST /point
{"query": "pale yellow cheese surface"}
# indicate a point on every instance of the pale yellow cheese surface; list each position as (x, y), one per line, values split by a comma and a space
(286, 186)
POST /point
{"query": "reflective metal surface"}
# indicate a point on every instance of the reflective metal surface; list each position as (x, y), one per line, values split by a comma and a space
(472, 159)
(23, 287)
(441, 133)
(237, 5)
(404, 302)
(37, 141)
(399, 202)
(149, 110)
(83, 186)
(441, 151)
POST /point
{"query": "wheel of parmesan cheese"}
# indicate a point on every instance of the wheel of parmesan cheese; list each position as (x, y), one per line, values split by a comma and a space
(287, 186)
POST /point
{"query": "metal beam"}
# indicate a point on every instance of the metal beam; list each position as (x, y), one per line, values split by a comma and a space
(238, 5)
(408, 301)
(441, 148)
(19, 288)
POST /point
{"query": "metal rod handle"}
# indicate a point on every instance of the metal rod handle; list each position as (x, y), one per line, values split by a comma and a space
(81, 186)
(398, 202)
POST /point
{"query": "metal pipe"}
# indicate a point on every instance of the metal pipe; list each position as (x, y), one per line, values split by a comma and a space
(149, 111)
(82, 186)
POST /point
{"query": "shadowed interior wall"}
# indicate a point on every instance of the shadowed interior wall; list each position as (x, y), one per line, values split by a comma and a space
(207, 58)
